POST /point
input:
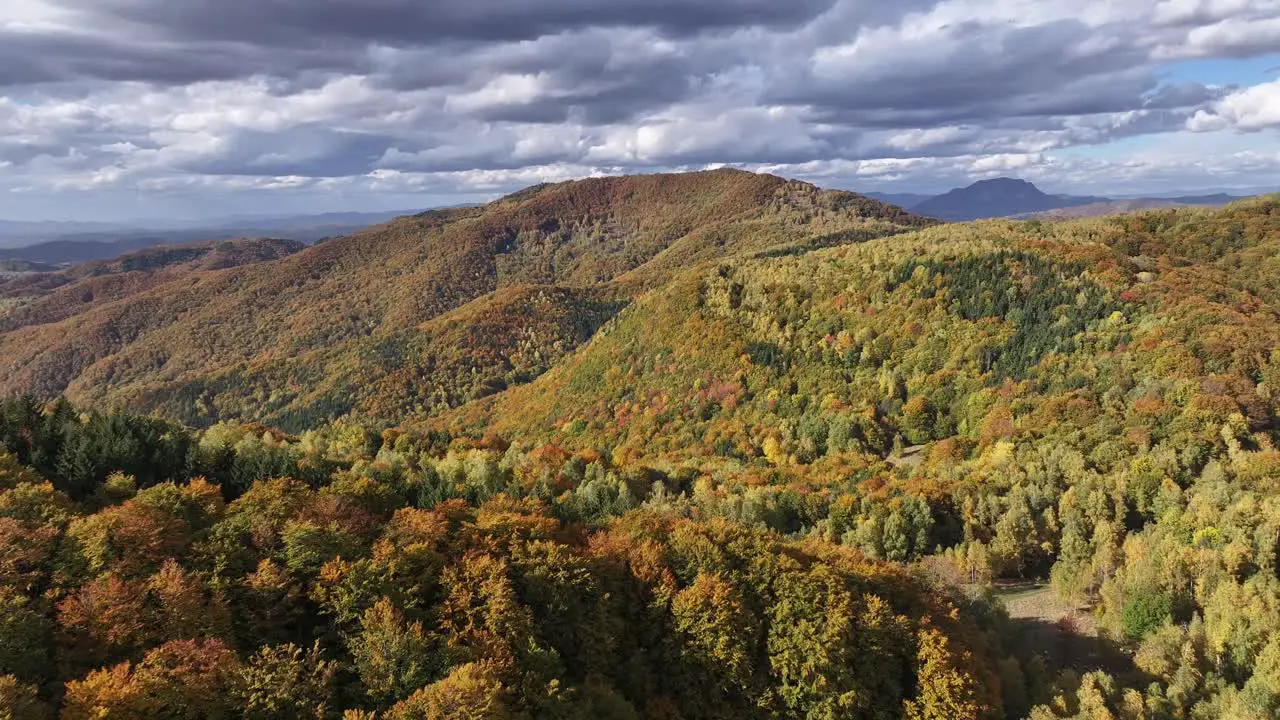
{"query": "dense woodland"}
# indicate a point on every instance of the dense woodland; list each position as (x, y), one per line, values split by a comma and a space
(773, 478)
(243, 573)
(377, 324)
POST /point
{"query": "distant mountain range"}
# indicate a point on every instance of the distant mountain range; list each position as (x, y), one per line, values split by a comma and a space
(68, 243)
(62, 243)
(19, 229)
(23, 266)
(1011, 197)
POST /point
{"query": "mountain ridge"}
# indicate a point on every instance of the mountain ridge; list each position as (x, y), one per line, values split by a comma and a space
(998, 197)
(1015, 197)
(208, 342)
(738, 330)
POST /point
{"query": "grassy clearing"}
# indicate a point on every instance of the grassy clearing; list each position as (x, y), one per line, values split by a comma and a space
(1039, 602)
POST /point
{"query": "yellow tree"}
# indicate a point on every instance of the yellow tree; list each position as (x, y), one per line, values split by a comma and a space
(945, 690)
(471, 692)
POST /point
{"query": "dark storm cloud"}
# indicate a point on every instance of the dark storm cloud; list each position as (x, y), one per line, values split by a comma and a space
(973, 72)
(976, 72)
(594, 103)
(177, 42)
(448, 156)
(596, 59)
(31, 58)
(594, 77)
(419, 22)
(304, 151)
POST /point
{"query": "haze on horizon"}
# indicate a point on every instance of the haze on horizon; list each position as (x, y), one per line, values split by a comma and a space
(118, 109)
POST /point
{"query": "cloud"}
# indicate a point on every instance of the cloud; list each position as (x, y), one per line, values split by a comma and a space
(1235, 37)
(1252, 109)
(1192, 12)
(411, 22)
(466, 97)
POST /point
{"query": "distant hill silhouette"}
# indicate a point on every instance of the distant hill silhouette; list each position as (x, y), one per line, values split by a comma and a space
(1012, 197)
(1215, 199)
(1000, 197)
(70, 243)
(24, 266)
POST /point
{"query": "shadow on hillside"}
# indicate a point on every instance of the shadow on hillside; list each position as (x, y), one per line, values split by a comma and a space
(1064, 647)
(1064, 635)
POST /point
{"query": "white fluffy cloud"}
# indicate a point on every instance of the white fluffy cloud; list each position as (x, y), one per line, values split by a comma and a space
(1251, 109)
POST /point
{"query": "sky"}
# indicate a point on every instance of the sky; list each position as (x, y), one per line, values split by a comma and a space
(120, 109)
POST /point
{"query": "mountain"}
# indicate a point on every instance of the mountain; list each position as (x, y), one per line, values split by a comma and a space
(756, 333)
(1085, 402)
(1000, 197)
(71, 251)
(1008, 197)
(378, 323)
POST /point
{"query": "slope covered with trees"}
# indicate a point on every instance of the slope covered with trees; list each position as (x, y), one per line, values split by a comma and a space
(1090, 402)
(318, 581)
(756, 463)
(45, 298)
(236, 342)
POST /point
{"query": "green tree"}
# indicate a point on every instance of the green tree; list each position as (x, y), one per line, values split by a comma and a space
(394, 657)
(286, 681)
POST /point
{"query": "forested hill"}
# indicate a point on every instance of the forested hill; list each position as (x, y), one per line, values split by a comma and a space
(414, 316)
(701, 446)
(943, 334)
(47, 294)
(1093, 403)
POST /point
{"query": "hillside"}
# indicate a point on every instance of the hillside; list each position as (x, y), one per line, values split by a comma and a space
(288, 340)
(302, 585)
(44, 298)
(866, 334)
(1090, 403)
(696, 446)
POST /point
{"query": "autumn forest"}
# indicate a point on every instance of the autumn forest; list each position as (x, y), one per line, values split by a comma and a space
(671, 447)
